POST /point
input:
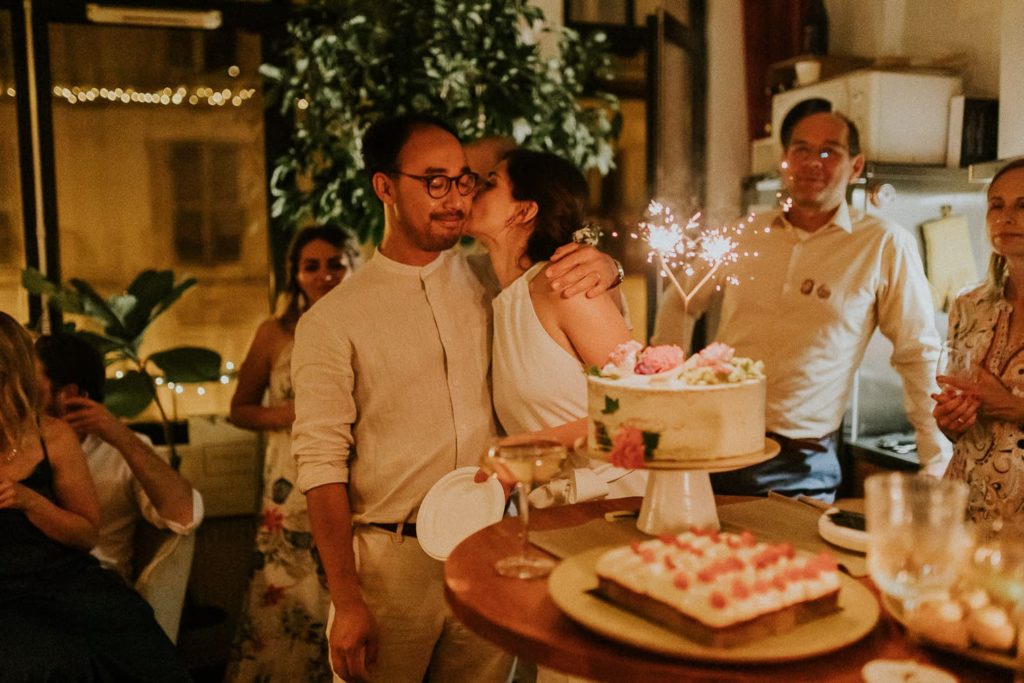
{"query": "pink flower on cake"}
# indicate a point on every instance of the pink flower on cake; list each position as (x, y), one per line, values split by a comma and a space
(718, 357)
(655, 359)
(624, 355)
(628, 448)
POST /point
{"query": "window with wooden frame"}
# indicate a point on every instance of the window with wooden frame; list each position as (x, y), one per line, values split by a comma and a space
(207, 216)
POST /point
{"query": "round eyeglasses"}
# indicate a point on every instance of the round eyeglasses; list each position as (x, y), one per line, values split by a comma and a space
(438, 186)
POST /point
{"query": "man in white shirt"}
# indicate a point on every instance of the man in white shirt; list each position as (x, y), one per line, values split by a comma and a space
(132, 481)
(392, 392)
(818, 280)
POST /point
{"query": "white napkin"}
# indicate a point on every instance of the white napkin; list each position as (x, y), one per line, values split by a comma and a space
(586, 484)
(600, 480)
(555, 492)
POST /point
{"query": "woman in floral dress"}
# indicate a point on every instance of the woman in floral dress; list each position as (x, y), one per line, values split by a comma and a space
(984, 416)
(280, 635)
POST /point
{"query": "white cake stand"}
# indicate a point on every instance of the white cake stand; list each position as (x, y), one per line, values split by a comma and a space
(679, 494)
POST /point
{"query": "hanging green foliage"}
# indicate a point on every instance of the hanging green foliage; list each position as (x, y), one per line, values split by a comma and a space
(476, 63)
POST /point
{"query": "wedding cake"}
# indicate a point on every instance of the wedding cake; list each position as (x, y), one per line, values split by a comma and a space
(650, 405)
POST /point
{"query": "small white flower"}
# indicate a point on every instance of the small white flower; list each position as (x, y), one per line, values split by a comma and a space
(520, 129)
(588, 234)
(528, 34)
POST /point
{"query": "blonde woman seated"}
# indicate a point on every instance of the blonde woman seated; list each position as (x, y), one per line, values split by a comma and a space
(531, 204)
(64, 617)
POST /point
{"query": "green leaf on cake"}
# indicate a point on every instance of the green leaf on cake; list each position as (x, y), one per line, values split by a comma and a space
(651, 440)
(604, 442)
(593, 370)
(611, 406)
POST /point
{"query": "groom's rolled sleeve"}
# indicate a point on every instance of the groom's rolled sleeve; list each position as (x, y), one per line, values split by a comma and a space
(325, 410)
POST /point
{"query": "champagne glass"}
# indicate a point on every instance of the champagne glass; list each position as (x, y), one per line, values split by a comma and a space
(526, 463)
(957, 361)
(918, 539)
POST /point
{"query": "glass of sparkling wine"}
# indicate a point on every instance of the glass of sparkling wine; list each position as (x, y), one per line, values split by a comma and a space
(957, 362)
(526, 463)
(918, 539)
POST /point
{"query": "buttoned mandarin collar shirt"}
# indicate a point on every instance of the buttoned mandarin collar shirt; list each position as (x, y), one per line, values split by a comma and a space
(392, 388)
(807, 304)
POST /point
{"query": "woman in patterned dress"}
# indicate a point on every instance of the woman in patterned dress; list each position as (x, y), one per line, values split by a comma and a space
(280, 635)
(984, 417)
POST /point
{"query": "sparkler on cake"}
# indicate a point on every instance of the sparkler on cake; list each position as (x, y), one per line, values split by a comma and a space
(685, 246)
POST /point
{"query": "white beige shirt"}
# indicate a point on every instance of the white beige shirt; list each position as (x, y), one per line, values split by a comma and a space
(391, 378)
(807, 303)
(122, 503)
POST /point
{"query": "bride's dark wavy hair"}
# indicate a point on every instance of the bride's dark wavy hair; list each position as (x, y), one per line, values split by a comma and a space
(20, 398)
(560, 192)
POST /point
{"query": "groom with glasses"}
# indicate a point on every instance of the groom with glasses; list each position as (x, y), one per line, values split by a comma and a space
(391, 372)
(439, 185)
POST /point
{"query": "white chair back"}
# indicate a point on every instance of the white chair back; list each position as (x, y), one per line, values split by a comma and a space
(162, 580)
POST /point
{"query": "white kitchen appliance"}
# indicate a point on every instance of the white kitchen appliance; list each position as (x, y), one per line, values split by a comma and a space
(903, 117)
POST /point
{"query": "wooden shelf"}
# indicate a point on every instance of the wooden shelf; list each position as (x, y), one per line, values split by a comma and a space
(782, 75)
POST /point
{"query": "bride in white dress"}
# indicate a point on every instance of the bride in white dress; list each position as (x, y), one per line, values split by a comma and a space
(531, 204)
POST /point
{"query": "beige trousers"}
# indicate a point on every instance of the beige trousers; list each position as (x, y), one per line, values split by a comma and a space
(420, 640)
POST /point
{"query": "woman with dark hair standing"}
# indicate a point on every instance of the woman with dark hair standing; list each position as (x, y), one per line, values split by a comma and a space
(984, 416)
(531, 204)
(281, 632)
(64, 617)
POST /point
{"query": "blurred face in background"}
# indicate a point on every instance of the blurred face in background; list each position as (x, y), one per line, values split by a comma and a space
(321, 267)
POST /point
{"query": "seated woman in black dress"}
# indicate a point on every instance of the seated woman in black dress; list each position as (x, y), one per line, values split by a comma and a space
(63, 618)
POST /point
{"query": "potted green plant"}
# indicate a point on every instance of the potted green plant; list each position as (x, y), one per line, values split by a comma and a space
(122, 321)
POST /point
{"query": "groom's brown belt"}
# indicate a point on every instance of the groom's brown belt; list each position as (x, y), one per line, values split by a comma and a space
(406, 529)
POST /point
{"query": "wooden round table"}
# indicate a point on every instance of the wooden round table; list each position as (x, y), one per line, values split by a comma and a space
(520, 617)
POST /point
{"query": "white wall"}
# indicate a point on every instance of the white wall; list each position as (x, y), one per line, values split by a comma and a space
(983, 36)
(554, 16)
(728, 152)
(964, 32)
(552, 10)
(1011, 103)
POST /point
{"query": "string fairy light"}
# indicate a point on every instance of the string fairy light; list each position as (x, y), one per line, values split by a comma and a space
(181, 95)
(178, 389)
